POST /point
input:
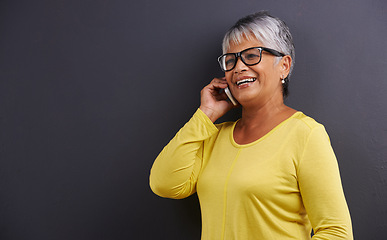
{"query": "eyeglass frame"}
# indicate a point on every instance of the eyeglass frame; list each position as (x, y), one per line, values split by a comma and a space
(239, 55)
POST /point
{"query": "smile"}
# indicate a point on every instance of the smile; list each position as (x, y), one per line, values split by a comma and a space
(247, 80)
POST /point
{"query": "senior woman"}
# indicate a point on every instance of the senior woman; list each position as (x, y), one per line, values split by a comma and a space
(270, 175)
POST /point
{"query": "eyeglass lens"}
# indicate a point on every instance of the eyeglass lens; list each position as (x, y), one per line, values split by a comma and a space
(248, 56)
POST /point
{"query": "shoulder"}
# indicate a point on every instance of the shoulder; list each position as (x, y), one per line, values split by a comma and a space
(304, 122)
(223, 132)
(304, 127)
(309, 139)
(224, 125)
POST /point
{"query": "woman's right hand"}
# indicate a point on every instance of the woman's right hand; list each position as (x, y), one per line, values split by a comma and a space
(214, 103)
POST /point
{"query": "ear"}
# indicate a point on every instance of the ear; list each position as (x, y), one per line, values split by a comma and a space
(285, 64)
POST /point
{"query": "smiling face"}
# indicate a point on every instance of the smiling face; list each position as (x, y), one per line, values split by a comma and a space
(256, 85)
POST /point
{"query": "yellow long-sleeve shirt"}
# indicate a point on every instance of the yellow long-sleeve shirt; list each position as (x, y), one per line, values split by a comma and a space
(277, 187)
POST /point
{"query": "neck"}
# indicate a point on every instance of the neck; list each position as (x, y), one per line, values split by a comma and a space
(256, 115)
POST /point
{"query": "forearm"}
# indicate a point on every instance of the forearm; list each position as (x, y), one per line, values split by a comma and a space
(174, 172)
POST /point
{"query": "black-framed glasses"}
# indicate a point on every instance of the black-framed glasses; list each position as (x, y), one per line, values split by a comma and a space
(250, 57)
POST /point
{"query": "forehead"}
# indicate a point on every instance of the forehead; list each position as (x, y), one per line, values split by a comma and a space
(243, 43)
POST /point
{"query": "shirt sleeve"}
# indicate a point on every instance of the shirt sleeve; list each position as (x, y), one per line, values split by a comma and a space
(175, 171)
(321, 189)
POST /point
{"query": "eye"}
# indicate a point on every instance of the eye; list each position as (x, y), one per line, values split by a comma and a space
(229, 60)
(251, 56)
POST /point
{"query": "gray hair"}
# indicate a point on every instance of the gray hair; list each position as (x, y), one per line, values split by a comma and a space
(271, 31)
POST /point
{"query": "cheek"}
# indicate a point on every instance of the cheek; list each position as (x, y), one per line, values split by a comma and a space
(264, 71)
(228, 76)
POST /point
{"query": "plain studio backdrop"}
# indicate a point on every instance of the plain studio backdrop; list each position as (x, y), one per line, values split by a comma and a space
(91, 91)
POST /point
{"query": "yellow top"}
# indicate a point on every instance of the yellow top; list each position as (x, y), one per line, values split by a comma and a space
(277, 187)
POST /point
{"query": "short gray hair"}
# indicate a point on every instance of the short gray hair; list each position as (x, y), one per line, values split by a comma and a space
(271, 31)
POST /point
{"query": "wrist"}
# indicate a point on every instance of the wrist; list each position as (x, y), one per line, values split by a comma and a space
(209, 113)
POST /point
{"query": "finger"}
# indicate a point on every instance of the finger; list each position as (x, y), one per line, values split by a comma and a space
(221, 96)
(218, 83)
(221, 80)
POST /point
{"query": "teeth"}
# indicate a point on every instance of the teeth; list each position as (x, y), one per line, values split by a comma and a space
(247, 80)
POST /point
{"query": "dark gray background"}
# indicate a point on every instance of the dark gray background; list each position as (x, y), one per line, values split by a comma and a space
(91, 91)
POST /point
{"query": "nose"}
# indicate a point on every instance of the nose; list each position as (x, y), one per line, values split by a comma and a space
(240, 66)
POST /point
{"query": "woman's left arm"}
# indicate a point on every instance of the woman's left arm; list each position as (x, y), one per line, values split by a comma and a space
(321, 189)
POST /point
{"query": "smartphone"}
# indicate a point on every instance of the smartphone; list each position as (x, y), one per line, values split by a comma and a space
(229, 95)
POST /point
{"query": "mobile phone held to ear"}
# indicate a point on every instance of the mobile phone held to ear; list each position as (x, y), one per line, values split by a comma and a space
(229, 95)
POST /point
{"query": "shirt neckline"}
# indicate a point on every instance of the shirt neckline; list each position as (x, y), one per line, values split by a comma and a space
(264, 136)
